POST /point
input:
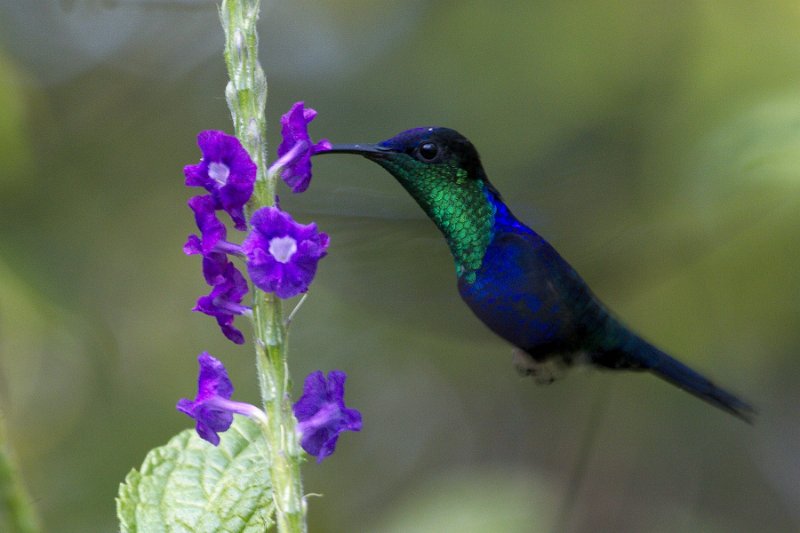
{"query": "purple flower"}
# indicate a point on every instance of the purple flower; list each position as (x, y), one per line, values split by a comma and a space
(212, 231)
(322, 415)
(282, 255)
(215, 261)
(215, 267)
(294, 153)
(224, 301)
(212, 408)
(226, 171)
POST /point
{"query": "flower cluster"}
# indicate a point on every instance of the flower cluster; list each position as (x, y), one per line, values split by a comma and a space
(280, 256)
(228, 174)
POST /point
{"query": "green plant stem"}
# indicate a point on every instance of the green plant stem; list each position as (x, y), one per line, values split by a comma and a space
(17, 515)
(246, 94)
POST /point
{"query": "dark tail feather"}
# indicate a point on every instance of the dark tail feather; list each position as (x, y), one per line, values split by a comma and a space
(647, 356)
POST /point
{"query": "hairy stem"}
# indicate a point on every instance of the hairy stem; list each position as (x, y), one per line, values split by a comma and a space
(246, 94)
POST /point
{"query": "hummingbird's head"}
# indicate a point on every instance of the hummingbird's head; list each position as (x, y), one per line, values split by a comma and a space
(422, 153)
(441, 170)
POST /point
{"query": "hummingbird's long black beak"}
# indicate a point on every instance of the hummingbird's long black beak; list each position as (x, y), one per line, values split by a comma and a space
(367, 150)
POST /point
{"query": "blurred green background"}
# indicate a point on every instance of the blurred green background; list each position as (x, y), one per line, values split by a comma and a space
(655, 144)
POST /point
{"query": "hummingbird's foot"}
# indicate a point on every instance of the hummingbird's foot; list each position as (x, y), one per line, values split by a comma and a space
(543, 372)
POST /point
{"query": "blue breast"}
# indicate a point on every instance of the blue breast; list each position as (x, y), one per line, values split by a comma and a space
(528, 294)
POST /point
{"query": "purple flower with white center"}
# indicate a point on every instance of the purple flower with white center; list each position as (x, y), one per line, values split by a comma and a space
(282, 255)
(322, 415)
(212, 408)
(224, 301)
(226, 171)
(294, 153)
(212, 231)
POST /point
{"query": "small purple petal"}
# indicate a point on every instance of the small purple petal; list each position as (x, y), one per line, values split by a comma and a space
(282, 255)
(322, 415)
(230, 332)
(211, 229)
(215, 266)
(193, 245)
(212, 383)
(226, 171)
(294, 153)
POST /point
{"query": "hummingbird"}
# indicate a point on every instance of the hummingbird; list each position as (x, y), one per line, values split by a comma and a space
(512, 279)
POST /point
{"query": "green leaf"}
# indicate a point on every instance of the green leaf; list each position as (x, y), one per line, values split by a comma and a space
(190, 485)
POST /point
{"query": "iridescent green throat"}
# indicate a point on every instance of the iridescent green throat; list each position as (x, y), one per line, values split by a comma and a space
(457, 204)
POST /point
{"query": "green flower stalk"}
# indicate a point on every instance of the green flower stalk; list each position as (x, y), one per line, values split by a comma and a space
(246, 94)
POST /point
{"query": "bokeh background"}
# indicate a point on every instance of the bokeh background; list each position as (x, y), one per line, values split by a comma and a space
(655, 144)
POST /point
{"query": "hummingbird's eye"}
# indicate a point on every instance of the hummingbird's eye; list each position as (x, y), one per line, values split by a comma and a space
(428, 151)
